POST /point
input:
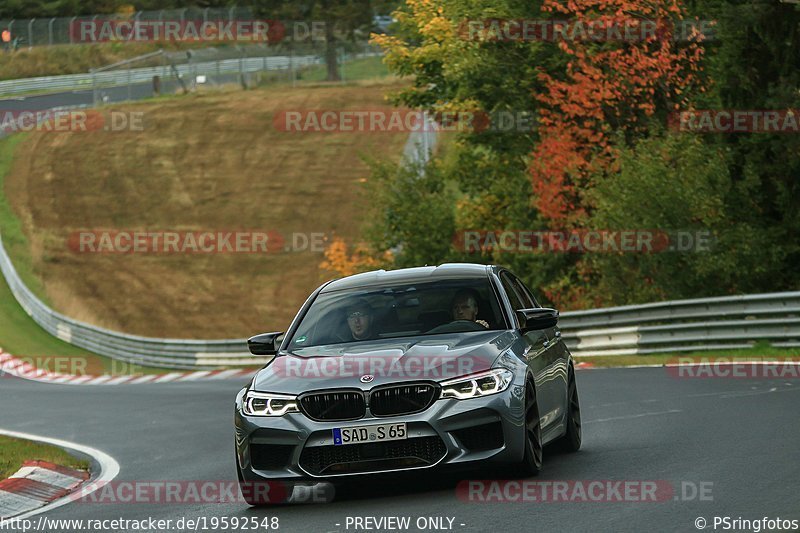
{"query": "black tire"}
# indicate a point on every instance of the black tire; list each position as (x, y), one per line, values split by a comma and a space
(571, 441)
(532, 460)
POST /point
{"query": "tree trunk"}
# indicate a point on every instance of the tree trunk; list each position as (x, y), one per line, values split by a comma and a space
(331, 56)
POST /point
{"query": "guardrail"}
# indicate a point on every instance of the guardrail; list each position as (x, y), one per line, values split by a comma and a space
(165, 353)
(727, 322)
(145, 74)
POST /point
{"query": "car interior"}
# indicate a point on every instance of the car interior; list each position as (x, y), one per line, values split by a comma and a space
(400, 314)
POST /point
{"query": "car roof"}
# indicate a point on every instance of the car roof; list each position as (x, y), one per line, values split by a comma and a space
(410, 275)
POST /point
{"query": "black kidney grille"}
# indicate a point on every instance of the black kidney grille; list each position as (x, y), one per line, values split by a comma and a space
(402, 399)
(342, 405)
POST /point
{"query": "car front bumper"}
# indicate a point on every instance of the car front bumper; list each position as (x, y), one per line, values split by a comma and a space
(456, 433)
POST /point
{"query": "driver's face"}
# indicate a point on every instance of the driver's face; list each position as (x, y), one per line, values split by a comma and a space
(465, 309)
(359, 322)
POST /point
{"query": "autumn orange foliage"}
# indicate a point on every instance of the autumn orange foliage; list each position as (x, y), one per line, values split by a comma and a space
(607, 86)
(339, 260)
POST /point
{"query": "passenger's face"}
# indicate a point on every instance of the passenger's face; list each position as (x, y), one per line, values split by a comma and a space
(359, 322)
(465, 308)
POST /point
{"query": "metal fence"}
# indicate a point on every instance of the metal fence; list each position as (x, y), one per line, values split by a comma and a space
(57, 30)
(121, 77)
(210, 65)
(420, 145)
(50, 31)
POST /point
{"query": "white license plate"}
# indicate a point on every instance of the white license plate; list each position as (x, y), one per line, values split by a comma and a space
(362, 434)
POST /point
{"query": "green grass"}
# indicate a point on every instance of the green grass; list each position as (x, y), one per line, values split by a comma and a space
(358, 69)
(14, 451)
(24, 338)
(761, 351)
(14, 240)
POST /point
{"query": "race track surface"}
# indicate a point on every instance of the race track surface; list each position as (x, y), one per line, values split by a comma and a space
(738, 436)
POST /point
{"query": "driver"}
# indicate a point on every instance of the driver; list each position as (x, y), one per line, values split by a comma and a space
(359, 319)
(465, 307)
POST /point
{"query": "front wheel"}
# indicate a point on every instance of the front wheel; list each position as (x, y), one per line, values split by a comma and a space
(532, 459)
(571, 441)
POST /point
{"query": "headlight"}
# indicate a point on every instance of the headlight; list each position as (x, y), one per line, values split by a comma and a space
(476, 385)
(264, 404)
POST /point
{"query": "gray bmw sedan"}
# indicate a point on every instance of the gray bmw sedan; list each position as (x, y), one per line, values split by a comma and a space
(419, 368)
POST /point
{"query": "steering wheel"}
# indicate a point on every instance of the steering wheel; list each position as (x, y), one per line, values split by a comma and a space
(458, 326)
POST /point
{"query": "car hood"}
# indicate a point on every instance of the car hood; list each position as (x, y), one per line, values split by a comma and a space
(423, 358)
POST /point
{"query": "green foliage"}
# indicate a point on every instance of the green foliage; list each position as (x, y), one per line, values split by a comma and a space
(742, 188)
(415, 215)
(678, 183)
(484, 174)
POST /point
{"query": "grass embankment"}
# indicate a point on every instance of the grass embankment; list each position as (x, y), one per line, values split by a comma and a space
(76, 58)
(13, 452)
(205, 162)
(19, 334)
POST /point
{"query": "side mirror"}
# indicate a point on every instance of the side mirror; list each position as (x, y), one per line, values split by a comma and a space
(264, 344)
(537, 318)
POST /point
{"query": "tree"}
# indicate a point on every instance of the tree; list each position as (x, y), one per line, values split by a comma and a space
(676, 185)
(615, 85)
(754, 61)
(484, 171)
(342, 19)
(600, 157)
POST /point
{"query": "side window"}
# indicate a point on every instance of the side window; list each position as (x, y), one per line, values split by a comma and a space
(525, 293)
(508, 286)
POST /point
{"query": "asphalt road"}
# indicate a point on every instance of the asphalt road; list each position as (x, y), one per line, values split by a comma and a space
(739, 435)
(136, 91)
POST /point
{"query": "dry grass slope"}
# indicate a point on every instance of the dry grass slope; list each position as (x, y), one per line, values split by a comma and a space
(204, 162)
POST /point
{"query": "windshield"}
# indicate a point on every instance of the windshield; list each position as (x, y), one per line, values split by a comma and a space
(414, 309)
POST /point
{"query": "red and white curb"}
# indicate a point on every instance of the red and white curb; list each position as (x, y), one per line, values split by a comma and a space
(35, 485)
(24, 370)
(40, 486)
